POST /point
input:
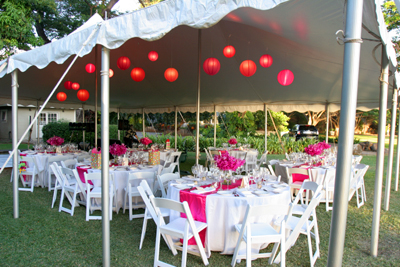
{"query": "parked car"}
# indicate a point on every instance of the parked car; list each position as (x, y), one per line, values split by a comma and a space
(304, 131)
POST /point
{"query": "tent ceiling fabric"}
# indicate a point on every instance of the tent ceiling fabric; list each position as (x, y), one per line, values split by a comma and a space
(299, 35)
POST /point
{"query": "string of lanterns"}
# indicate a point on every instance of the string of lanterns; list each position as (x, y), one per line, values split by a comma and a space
(211, 66)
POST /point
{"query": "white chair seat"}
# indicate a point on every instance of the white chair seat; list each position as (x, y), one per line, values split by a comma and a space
(299, 209)
(134, 191)
(293, 221)
(296, 184)
(96, 191)
(178, 226)
(258, 229)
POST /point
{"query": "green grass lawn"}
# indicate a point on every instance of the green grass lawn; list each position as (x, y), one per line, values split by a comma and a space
(45, 237)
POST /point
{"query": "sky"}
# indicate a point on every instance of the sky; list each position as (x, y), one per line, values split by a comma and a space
(126, 6)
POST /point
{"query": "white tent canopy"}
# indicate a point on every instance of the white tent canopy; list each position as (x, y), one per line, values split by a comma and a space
(299, 35)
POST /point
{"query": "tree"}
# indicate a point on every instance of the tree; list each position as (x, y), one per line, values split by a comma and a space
(315, 117)
(25, 24)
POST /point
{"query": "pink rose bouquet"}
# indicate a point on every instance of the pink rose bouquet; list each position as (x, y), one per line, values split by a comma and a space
(228, 163)
(55, 141)
(117, 150)
(232, 141)
(316, 149)
(146, 141)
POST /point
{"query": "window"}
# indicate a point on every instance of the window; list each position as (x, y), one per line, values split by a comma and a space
(4, 116)
(42, 119)
(52, 117)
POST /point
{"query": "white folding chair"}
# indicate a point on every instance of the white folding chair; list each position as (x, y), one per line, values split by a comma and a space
(163, 180)
(251, 160)
(132, 194)
(69, 163)
(270, 168)
(83, 157)
(328, 188)
(175, 160)
(50, 171)
(260, 233)
(30, 173)
(304, 226)
(59, 180)
(184, 228)
(357, 184)
(262, 160)
(307, 189)
(297, 184)
(70, 187)
(167, 160)
(149, 213)
(168, 169)
(92, 194)
(209, 158)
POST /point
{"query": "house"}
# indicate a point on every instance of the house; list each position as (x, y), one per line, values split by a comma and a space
(26, 115)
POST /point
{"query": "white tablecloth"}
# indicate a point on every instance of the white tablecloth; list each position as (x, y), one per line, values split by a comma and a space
(317, 173)
(121, 180)
(223, 212)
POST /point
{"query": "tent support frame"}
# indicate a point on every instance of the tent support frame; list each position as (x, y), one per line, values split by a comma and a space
(327, 112)
(105, 143)
(351, 65)
(14, 127)
(265, 127)
(396, 181)
(176, 127)
(198, 99)
(380, 155)
(391, 150)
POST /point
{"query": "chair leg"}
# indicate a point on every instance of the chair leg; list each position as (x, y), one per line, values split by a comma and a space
(248, 251)
(73, 204)
(144, 227)
(49, 180)
(130, 208)
(33, 182)
(61, 199)
(309, 245)
(184, 250)
(111, 205)
(54, 197)
(157, 248)
(124, 204)
(87, 207)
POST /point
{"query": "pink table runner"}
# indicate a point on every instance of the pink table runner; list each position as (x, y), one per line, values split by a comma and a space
(197, 205)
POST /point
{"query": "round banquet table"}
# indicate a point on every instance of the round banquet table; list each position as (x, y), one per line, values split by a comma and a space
(317, 173)
(223, 212)
(121, 176)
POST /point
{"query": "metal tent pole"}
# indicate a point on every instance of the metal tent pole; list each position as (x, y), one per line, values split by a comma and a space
(37, 124)
(215, 126)
(14, 127)
(380, 156)
(119, 132)
(95, 99)
(327, 122)
(265, 127)
(351, 65)
(176, 127)
(83, 132)
(198, 99)
(396, 181)
(143, 124)
(105, 149)
(391, 149)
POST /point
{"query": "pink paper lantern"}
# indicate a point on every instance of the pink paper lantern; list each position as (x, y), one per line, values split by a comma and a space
(90, 68)
(266, 61)
(153, 55)
(211, 66)
(229, 51)
(248, 68)
(123, 63)
(285, 77)
(75, 86)
(68, 85)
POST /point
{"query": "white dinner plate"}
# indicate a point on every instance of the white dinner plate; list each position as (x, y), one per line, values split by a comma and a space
(225, 193)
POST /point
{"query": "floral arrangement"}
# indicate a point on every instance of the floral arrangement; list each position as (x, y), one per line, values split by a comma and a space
(232, 141)
(117, 150)
(228, 163)
(146, 141)
(55, 141)
(316, 149)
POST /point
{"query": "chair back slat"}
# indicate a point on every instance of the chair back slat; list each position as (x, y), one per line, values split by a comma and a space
(168, 204)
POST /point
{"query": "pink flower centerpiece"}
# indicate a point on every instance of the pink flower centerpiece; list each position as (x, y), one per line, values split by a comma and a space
(316, 149)
(117, 150)
(232, 141)
(228, 163)
(146, 141)
(55, 141)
